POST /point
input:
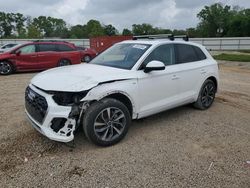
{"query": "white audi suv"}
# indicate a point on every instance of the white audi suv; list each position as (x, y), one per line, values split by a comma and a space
(130, 80)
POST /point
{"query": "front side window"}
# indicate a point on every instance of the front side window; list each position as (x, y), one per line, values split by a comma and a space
(164, 53)
(122, 56)
(28, 49)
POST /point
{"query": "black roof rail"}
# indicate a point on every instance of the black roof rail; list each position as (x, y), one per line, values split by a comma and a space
(162, 36)
(184, 37)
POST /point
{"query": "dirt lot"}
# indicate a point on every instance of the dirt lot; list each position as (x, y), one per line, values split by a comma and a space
(183, 147)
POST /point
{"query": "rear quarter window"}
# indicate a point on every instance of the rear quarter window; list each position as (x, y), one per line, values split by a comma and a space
(199, 53)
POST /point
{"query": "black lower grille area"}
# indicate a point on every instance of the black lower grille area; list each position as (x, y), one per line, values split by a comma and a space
(35, 104)
(58, 123)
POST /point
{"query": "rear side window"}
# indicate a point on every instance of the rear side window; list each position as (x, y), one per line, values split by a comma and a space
(188, 53)
(64, 48)
(46, 47)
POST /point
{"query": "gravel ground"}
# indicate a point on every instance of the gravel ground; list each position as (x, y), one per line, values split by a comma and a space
(182, 147)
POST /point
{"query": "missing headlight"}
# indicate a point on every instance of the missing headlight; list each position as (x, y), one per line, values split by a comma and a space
(68, 98)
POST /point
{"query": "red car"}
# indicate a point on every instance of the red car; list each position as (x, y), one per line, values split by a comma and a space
(39, 55)
(87, 54)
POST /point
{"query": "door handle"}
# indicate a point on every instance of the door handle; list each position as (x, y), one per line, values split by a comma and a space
(41, 55)
(33, 56)
(174, 77)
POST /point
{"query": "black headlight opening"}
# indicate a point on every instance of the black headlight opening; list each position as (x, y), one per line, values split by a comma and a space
(68, 98)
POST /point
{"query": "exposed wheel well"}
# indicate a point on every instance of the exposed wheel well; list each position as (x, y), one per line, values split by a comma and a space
(6, 60)
(215, 81)
(124, 99)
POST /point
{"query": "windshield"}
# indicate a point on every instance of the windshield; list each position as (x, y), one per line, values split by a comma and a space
(14, 47)
(122, 56)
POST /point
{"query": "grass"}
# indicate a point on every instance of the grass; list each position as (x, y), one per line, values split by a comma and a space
(233, 57)
(244, 51)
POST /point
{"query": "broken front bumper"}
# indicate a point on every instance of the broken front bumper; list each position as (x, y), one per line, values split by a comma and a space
(55, 122)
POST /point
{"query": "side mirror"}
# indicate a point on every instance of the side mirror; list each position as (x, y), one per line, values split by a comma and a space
(154, 66)
(18, 52)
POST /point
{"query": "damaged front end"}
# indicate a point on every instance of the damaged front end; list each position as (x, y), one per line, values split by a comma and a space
(55, 114)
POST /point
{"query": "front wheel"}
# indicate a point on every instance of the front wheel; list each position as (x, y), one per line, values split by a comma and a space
(106, 122)
(86, 58)
(206, 95)
(6, 68)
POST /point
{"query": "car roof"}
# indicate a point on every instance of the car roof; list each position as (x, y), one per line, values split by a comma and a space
(48, 42)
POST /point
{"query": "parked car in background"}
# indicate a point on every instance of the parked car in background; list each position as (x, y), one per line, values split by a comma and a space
(7, 47)
(87, 54)
(39, 55)
(130, 80)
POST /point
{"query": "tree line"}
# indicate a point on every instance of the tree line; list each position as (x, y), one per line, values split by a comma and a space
(217, 20)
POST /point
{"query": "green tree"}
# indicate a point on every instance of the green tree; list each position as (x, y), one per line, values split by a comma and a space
(214, 20)
(78, 31)
(33, 32)
(110, 30)
(239, 24)
(59, 27)
(158, 30)
(43, 25)
(94, 28)
(179, 32)
(6, 20)
(126, 32)
(192, 32)
(51, 27)
(19, 24)
(143, 29)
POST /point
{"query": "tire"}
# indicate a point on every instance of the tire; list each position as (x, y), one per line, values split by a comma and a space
(106, 122)
(206, 95)
(86, 58)
(64, 62)
(6, 68)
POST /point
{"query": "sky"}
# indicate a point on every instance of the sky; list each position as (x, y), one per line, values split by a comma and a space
(170, 14)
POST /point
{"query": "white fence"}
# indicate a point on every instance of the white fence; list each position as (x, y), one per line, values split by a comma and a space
(234, 43)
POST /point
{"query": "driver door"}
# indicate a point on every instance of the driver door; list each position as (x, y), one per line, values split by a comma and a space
(159, 90)
(26, 57)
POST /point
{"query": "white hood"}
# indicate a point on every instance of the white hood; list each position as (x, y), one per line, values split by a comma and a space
(77, 78)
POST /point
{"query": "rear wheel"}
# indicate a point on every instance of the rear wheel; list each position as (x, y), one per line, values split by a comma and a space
(64, 62)
(6, 68)
(106, 122)
(206, 95)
